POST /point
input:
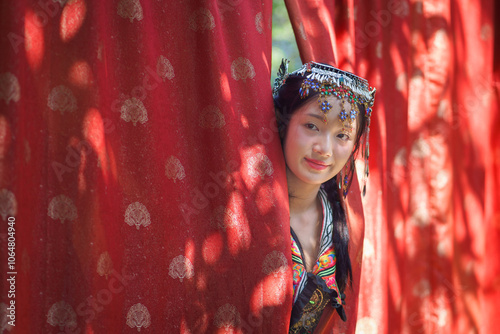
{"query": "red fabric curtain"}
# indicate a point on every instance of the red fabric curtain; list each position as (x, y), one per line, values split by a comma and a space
(429, 262)
(142, 176)
(141, 164)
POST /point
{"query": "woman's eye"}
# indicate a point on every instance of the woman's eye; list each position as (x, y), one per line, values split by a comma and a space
(311, 126)
(343, 136)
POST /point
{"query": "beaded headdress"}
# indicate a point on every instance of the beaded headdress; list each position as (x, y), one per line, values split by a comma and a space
(348, 88)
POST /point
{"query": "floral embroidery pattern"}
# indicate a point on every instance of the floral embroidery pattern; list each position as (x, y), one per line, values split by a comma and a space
(181, 267)
(133, 110)
(61, 314)
(201, 20)
(302, 31)
(211, 118)
(4, 321)
(130, 9)
(242, 69)
(137, 214)
(274, 263)
(227, 316)
(8, 204)
(174, 169)
(138, 316)
(10, 90)
(259, 22)
(259, 165)
(104, 265)
(61, 99)
(62, 207)
(164, 68)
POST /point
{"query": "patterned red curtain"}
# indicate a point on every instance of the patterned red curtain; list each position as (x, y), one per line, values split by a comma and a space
(141, 172)
(432, 232)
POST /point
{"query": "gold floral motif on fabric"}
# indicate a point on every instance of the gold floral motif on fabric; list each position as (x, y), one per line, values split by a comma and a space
(242, 69)
(8, 204)
(61, 99)
(137, 214)
(259, 22)
(201, 20)
(181, 267)
(174, 169)
(104, 265)
(130, 9)
(61, 314)
(138, 317)
(4, 321)
(227, 317)
(62, 208)
(302, 31)
(10, 90)
(259, 165)
(274, 263)
(133, 110)
(164, 68)
(211, 118)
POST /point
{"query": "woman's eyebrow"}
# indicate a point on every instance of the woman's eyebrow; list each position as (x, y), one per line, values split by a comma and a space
(316, 116)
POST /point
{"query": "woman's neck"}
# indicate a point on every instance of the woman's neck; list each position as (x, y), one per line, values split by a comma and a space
(303, 197)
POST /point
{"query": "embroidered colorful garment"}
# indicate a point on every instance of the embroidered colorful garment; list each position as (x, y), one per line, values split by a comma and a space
(313, 291)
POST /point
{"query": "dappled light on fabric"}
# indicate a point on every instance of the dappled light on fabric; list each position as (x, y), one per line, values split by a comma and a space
(72, 18)
(147, 164)
(34, 40)
(5, 137)
(80, 74)
(238, 232)
(94, 131)
(224, 87)
(274, 284)
(140, 157)
(212, 248)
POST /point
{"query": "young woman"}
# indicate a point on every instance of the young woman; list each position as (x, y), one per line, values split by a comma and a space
(323, 116)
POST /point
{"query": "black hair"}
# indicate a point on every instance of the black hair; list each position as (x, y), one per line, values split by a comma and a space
(286, 102)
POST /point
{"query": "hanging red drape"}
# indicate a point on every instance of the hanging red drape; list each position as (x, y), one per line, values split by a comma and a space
(431, 211)
(142, 166)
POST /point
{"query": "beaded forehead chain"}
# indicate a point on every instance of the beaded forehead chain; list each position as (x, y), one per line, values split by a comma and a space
(347, 87)
(328, 80)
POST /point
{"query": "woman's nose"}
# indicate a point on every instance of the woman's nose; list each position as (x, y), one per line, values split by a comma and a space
(323, 147)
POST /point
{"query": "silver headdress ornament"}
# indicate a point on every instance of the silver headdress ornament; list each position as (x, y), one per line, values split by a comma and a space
(349, 88)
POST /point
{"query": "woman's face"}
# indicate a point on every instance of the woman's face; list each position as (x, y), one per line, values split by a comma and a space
(316, 151)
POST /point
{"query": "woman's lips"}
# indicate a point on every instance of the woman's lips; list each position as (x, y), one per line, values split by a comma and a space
(316, 164)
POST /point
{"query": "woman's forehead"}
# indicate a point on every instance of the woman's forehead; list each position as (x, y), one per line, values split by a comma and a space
(312, 108)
